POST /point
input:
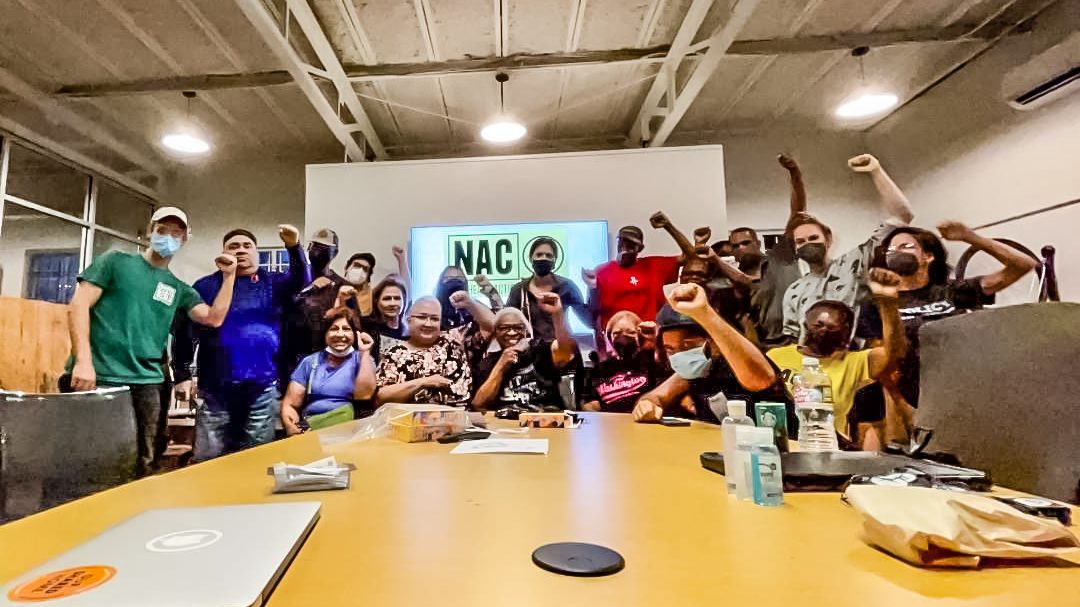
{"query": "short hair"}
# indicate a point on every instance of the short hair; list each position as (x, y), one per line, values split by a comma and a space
(516, 313)
(847, 315)
(620, 316)
(368, 257)
(939, 269)
(239, 232)
(806, 219)
(752, 231)
(542, 241)
(428, 299)
(390, 281)
(348, 315)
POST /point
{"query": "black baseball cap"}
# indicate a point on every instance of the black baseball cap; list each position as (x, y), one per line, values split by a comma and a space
(633, 234)
(668, 318)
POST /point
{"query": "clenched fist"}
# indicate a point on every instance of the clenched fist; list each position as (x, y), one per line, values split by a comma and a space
(787, 162)
(364, 342)
(589, 276)
(659, 220)
(884, 284)
(864, 163)
(399, 253)
(226, 263)
(550, 303)
(289, 235)
(689, 299)
(955, 231)
(460, 300)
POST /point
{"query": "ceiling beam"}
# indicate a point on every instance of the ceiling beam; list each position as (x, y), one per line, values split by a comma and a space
(267, 28)
(327, 56)
(703, 70)
(528, 61)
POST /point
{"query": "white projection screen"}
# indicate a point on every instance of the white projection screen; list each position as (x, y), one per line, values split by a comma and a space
(375, 205)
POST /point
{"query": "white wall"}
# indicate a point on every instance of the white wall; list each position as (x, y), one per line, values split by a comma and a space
(965, 154)
(373, 205)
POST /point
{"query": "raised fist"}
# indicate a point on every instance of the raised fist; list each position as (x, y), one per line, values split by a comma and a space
(702, 236)
(589, 276)
(550, 303)
(955, 231)
(460, 299)
(864, 163)
(659, 220)
(399, 253)
(289, 235)
(787, 162)
(689, 299)
(884, 283)
(364, 342)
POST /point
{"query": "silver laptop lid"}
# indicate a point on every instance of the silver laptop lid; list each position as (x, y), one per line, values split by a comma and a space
(220, 556)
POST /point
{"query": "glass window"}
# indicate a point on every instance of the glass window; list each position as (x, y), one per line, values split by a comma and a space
(40, 179)
(121, 211)
(274, 260)
(39, 255)
(103, 243)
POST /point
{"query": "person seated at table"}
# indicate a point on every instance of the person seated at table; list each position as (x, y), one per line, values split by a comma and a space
(828, 328)
(711, 360)
(429, 367)
(386, 324)
(326, 384)
(618, 381)
(544, 256)
(525, 371)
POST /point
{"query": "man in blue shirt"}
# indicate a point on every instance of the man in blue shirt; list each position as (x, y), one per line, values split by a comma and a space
(237, 363)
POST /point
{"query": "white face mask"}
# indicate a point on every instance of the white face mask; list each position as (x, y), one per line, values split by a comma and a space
(343, 354)
(356, 276)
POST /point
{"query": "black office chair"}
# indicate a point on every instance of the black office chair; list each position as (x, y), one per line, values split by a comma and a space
(1001, 390)
(55, 448)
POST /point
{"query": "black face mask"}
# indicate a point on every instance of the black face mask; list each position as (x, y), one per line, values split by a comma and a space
(811, 252)
(543, 267)
(826, 342)
(904, 264)
(627, 258)
(449, 287)
(625, 346)
(320, 257)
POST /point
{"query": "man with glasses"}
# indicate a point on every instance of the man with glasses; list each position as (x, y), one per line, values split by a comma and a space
(525, 371)
(428, 368)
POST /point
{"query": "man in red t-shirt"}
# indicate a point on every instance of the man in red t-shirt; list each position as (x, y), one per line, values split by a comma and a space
(629, 282)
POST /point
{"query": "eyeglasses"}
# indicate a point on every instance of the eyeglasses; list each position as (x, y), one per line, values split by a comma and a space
(426, 318)
(907, 246)
(510, 328)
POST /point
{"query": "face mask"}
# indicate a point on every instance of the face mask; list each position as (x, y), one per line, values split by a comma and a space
(343, 354)
(320, 257)
(448, 288)
(357, 276)
(625, 346)
(811, 252)
(826, 343)
(904, 264)
(543, 267)
(627, 258)
(691, 364)
(165, 245)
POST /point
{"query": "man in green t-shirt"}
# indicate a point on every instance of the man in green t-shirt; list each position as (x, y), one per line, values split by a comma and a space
(121, 314)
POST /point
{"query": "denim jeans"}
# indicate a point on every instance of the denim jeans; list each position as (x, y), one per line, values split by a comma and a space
(233, 418)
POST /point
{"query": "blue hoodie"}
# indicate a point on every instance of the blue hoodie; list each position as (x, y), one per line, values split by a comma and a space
(245, 347)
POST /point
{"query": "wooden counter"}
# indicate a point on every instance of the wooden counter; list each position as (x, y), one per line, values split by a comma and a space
(422, 527)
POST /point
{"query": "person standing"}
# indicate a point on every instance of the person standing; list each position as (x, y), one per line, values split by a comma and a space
(120, 317)
(629, 283)
(237, 362)
(543, 254)
(304, 320)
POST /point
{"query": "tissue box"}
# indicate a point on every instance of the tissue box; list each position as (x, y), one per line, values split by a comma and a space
(561, 419)
(418, 423)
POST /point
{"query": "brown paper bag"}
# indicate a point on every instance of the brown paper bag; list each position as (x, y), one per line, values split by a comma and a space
(933, 527)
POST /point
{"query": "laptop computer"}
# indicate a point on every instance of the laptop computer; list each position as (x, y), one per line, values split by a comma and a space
(220, 556)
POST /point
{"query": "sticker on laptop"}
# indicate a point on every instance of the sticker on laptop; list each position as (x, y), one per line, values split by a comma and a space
(182, 541)
(61, 584)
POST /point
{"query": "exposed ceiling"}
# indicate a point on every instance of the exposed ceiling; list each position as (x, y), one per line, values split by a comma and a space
(101, 80)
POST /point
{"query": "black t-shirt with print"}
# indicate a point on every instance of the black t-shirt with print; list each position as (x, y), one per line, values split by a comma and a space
(928, 304)
(532, 380)
(722, 379)
(522, 298)
(382, 334)
(617, 384)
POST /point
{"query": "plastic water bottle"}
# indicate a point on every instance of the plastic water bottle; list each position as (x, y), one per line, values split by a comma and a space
(748, 438)
(736, 417)
(812, 392)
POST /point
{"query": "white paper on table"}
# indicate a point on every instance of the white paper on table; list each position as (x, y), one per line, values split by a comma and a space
(503, 445)
(316, 476)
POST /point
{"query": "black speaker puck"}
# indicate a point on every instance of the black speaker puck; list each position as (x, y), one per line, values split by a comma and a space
(578, 559)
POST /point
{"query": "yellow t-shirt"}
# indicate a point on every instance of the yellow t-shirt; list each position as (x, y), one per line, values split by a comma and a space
(847, 372)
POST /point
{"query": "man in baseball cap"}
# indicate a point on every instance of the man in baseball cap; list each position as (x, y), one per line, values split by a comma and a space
(629, 282)
(305, 320)
(163, 213)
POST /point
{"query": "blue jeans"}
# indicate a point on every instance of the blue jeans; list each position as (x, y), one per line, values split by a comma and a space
(233, 418)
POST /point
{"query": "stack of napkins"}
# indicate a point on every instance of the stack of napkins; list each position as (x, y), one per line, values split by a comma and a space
(319, 475)
(538, 446)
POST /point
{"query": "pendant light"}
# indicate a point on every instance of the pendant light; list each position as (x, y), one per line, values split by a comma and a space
(865, 102)
(502, 129)
(186, 140)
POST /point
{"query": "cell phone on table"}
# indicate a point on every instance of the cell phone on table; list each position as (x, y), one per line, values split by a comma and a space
(674, 421)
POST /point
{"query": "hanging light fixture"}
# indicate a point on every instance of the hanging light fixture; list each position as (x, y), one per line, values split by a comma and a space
(865, 102)
(186, 140)
(503, 129)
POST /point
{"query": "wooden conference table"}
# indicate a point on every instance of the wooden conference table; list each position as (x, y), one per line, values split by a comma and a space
(421, 527)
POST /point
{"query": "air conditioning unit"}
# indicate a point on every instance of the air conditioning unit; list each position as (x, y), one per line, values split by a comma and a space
(1046, 77)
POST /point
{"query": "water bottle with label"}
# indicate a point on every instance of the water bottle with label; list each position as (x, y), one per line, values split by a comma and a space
(736, 416)
(812, 392)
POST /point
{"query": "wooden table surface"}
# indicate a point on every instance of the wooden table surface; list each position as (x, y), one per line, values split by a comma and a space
(421, 527)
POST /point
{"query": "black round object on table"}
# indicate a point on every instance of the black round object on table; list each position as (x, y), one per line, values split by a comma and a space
(578, 559)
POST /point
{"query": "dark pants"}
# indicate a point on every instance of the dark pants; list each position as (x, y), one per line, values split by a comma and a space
(151, 419)
(235, 417)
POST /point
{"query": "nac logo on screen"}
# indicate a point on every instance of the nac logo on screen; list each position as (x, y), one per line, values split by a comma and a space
(497, 256)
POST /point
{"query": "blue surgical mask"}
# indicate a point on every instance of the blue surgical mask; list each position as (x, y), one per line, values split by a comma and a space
(691, 364)
(165, 244)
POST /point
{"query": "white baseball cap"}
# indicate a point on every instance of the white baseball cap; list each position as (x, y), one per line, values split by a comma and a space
(164, 212)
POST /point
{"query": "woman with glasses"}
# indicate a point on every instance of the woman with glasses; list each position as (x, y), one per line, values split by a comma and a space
(524, 370)
(429, 367)
(619, 380)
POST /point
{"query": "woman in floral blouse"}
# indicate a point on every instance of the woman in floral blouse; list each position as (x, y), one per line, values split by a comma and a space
(429, 368)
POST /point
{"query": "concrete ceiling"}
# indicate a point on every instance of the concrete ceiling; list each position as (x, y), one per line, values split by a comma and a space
(101, 80)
